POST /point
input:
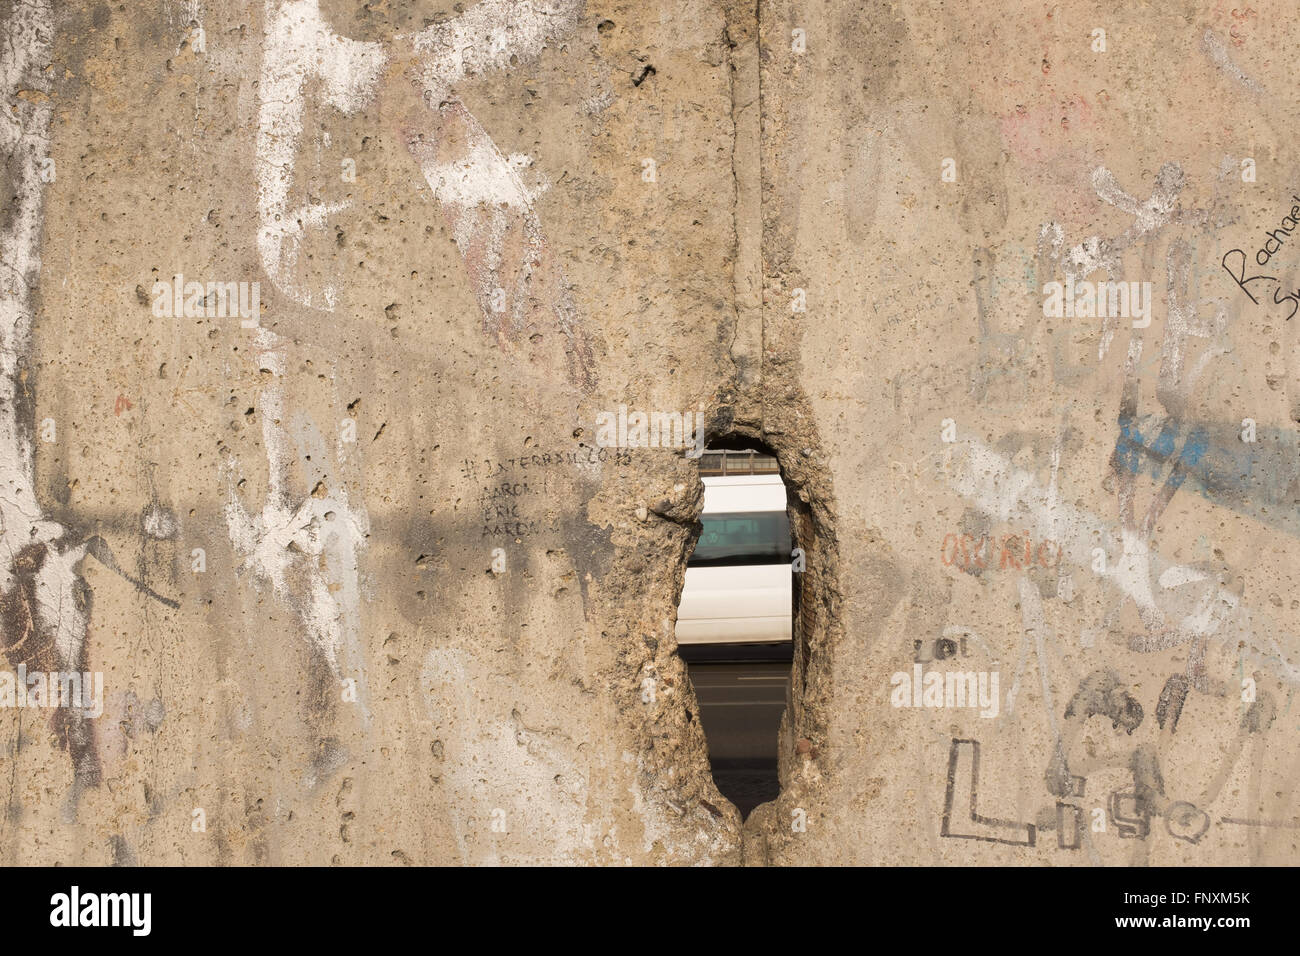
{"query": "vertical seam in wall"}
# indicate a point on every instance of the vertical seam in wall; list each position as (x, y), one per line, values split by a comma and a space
(735, 197)
(744, 82)
(762, 229)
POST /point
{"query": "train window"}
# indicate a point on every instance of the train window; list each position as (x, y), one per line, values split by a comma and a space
(756, 537)
(715, 464)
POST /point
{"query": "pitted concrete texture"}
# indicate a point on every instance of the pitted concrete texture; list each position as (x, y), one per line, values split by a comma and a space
(314, 317)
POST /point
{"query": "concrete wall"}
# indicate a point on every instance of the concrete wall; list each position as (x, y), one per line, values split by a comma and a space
(365, 587)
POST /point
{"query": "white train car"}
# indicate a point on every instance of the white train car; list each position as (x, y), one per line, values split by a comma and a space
(738, 580)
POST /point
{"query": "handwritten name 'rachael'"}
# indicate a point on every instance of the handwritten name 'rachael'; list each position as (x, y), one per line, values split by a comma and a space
(1266, 252)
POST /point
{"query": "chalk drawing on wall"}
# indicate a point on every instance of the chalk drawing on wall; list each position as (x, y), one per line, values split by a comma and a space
(304, 546)
(45, 602)
(516, 278)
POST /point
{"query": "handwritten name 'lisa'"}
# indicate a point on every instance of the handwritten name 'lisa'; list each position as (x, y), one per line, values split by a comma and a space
(1266, 252)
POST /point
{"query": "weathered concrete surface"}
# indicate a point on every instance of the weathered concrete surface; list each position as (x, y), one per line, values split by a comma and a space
(475, 229)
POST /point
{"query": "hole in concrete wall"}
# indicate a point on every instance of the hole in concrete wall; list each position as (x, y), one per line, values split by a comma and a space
(735, 616)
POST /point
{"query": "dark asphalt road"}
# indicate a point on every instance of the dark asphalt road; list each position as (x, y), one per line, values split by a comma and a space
(740, 709)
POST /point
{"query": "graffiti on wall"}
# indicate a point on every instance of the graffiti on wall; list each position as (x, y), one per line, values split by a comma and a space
(515, 276)
(45, 602)
(1177, 605)
(304, 546)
